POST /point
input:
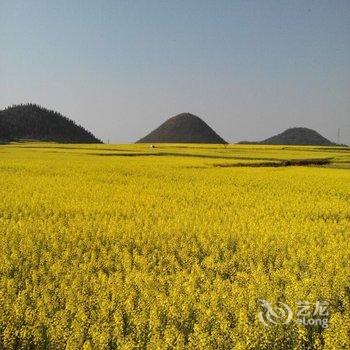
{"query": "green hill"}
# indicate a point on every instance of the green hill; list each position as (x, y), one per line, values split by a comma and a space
(183, 128)
(33, 122)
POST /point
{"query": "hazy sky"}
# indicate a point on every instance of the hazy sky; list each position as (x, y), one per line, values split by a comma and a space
(250, 69)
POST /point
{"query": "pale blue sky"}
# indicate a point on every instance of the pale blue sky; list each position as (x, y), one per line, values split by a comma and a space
(250, 69)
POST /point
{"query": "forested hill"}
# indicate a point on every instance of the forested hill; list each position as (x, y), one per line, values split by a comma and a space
(33, 122)
(183, 128)
(298, 136)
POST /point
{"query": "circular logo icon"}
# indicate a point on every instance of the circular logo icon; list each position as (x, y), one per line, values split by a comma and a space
(277, 314)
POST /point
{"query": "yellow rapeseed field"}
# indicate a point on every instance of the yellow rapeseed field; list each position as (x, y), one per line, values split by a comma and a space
(127, 247)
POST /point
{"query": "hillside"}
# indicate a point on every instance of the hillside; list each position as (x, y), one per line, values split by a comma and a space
(295, 136)
(183, 128)
(33, 122)
(298, 136)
